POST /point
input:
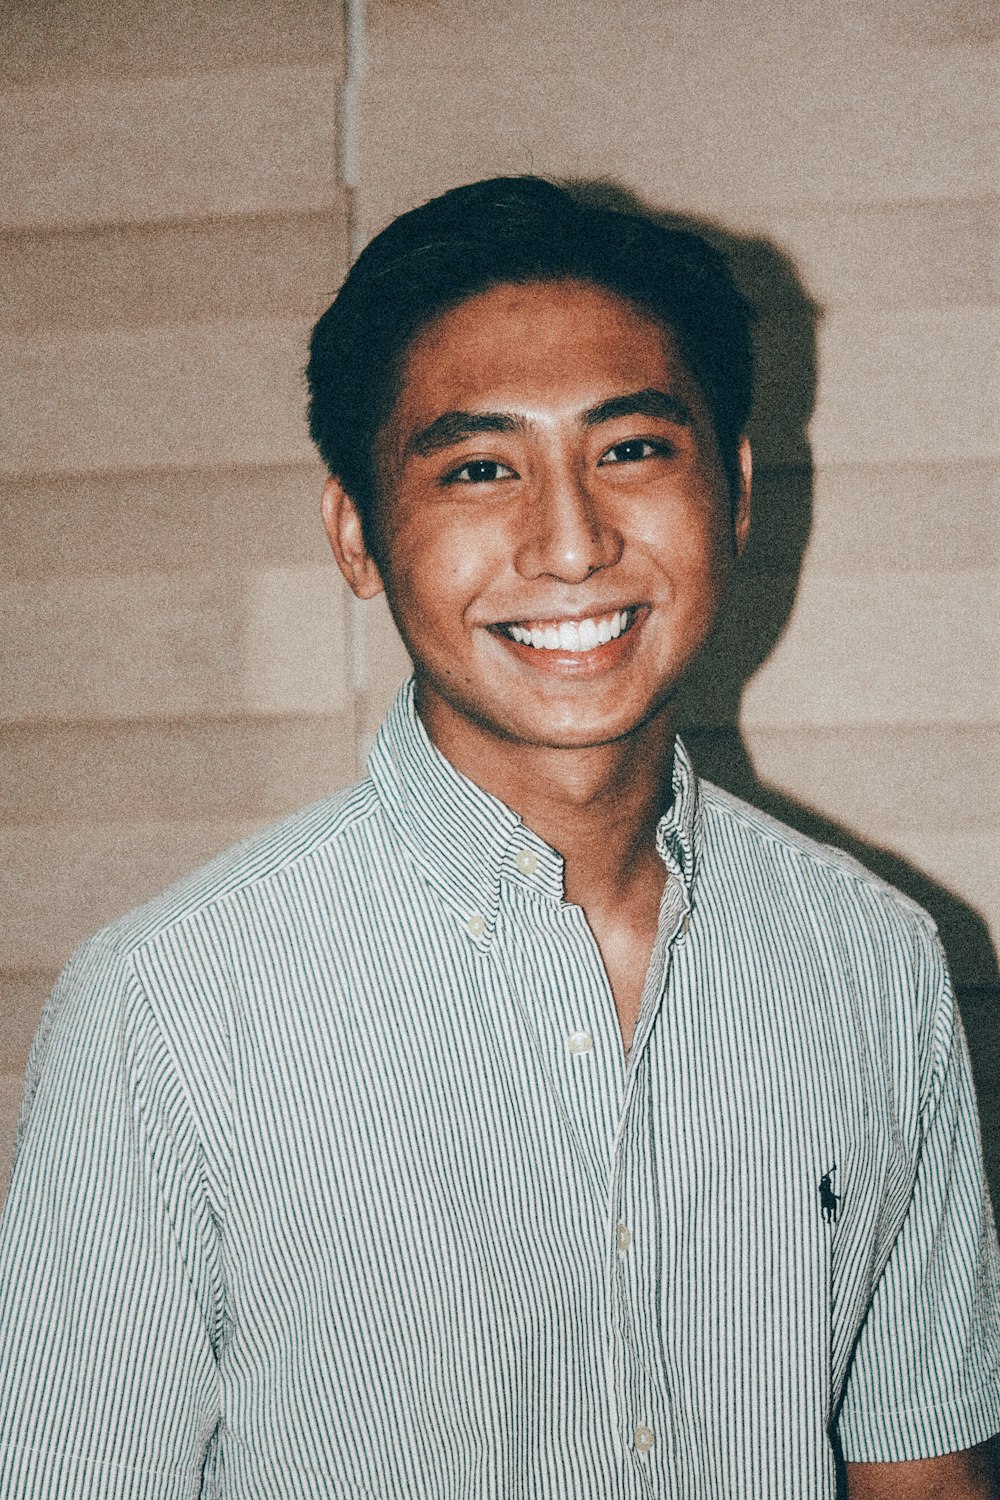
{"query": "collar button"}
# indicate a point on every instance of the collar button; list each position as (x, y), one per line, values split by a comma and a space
(527, 862)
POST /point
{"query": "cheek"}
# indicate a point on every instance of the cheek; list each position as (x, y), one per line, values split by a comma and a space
(693, 549)
(443, 563)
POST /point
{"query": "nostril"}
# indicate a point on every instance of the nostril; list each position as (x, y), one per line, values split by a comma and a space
(569, 553)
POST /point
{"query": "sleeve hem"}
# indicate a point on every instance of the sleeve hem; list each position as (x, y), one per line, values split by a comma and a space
(29, 1473)
(925, 1432)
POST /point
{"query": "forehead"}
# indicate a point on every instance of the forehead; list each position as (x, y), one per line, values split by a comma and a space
(518, 344)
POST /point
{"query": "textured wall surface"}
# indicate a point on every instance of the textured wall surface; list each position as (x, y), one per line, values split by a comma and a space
(175, 661)
(178, 660)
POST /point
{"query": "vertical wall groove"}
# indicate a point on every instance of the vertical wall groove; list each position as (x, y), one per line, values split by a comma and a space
(349, 173)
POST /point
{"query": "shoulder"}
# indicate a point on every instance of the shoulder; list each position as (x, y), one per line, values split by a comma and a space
(170, 973)
(304, 841)
(808, 914)
(753, 851)
(241, 893)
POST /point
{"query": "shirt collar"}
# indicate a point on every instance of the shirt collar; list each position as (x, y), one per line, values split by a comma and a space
(468, 843)
(678, 833)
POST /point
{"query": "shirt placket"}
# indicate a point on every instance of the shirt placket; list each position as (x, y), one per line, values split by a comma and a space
(556, 972)
(606, 1105)
(559, 979)
(637, 1366)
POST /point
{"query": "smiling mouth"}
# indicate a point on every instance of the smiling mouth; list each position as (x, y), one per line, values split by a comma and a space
(576, 636)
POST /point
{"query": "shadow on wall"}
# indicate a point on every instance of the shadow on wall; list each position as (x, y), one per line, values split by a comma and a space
(763, 594)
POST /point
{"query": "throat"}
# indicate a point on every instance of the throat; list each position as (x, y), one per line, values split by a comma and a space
(626, 950)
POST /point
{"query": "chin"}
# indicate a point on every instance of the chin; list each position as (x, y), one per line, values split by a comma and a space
(578, 717)
(579, 731)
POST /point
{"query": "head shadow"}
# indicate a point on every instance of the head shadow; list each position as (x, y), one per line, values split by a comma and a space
(764, 588)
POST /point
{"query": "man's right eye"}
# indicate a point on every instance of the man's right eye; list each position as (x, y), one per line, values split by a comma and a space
(479, 471)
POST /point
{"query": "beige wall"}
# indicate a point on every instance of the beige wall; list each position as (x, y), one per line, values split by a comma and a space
(176, 666)
(183, 663)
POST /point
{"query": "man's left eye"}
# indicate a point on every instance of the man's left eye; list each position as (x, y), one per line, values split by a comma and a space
(632, 451)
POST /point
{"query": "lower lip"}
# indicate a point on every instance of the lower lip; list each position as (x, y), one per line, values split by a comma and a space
(576, 663)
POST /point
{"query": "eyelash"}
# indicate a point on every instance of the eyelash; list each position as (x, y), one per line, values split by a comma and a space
(657, 447)
(455, 475)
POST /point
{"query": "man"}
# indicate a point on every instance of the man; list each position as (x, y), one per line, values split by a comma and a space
(530, 1120)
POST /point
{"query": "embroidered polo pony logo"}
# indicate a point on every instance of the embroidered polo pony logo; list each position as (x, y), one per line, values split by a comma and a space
(827, 1197)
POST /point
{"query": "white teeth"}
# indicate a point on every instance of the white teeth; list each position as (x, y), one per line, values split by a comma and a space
(572, 635)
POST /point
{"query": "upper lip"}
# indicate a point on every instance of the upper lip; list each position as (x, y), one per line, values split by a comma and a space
(559, 616)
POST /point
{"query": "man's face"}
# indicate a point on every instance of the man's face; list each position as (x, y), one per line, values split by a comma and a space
(557, 523)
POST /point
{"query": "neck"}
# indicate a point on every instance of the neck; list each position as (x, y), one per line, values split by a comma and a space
(597, 806)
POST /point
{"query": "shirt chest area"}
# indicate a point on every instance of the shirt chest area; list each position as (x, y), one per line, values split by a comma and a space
(467, 1054)
(455, 1139)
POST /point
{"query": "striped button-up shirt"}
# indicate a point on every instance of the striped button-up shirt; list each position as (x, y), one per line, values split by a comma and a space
(334, 1179)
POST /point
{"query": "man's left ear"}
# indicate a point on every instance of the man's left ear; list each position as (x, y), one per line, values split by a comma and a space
(346, 536)
(741, 510)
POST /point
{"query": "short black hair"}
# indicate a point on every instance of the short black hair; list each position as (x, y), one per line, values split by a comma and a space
(514, 230)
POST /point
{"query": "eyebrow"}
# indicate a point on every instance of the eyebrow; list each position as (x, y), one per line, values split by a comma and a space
(650, 402)
(454, 426)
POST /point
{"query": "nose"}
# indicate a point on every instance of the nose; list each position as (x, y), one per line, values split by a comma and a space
(566, 532)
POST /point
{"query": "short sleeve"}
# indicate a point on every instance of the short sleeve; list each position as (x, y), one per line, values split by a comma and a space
(925, 1378)
(109, 1263)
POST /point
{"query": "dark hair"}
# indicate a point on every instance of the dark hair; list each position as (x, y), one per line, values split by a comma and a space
(513, 229)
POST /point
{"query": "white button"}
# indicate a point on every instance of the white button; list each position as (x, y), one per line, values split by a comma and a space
(527, 862)
(643, 1438)
(579, 1041)
(475, 926)
(624, 1237)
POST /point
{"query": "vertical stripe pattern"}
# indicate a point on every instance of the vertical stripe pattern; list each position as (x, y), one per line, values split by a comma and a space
(333, 1179)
